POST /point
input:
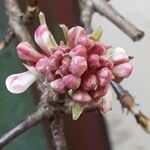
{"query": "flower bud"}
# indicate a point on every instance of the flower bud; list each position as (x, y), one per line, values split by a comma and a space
(90, 82)
(105, 62)
(86, 42)
(27, 52)
(55, 60)
(123, 70)
(58, 85)
(74, 34)
(81, 97)
(104, 77)
(79, 50)
(78, 66)
(118, 56)
(93, 61)
(64, 68)
(42, 65)
(71, 81)
(45, 39)
(18, 83)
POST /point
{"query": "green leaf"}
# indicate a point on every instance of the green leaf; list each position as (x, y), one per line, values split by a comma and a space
(96, 35)
(77, 110)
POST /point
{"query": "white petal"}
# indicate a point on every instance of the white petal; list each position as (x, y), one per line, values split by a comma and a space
(18, 83)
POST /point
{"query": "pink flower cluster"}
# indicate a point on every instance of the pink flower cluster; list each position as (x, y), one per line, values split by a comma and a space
(82, 65)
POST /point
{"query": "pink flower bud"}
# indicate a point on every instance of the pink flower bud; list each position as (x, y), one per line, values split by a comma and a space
(78, 66)
(42, 65)
(90, 82)
(27, 52)
(81, 97)
(106, 104)
(64, 68)
(58, 85)
(93, 61)
(98, 49)
(71, 81)
(55, 60)
(123, 70)
(86, 42)
(119, 56)
(105, 62)
(100, 92)
(73, 35)
(104, 77)
(79, 50)
(18, 83)
(45, 39)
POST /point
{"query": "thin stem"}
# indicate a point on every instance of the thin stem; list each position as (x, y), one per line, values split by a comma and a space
(29, 122)
(9, 36)
(127, 101)
(59, 141)
(106, 10)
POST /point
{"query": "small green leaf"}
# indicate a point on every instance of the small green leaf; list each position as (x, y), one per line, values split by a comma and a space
(77, 110)
(96, 35)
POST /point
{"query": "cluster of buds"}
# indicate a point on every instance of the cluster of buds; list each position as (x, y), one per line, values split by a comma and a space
(83, 66)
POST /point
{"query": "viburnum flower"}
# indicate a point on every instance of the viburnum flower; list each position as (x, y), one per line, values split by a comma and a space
(83, 65)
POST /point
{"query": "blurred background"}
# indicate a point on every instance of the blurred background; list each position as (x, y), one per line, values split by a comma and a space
(123, 131)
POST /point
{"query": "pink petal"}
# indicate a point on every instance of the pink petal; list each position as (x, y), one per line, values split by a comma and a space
(123, 70)
(27, 52)
(44, 39)
(18, 83)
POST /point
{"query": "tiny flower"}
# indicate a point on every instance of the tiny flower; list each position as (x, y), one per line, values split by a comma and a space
(90, 82)
(58, 85)
(82, 97)
(119, 56)
(79, 50)
(71, 81)
(104, 76)
(74, 34)
(123, 70)
(27, 52)
(93, 61)
(64, 68)
(78, 66)
(45, 39)
(18, 83)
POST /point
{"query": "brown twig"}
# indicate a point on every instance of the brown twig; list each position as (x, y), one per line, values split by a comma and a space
(106, 9)
(127, 101)
(9, 36)
(59, 141)
(29, 122)
(86, 10)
